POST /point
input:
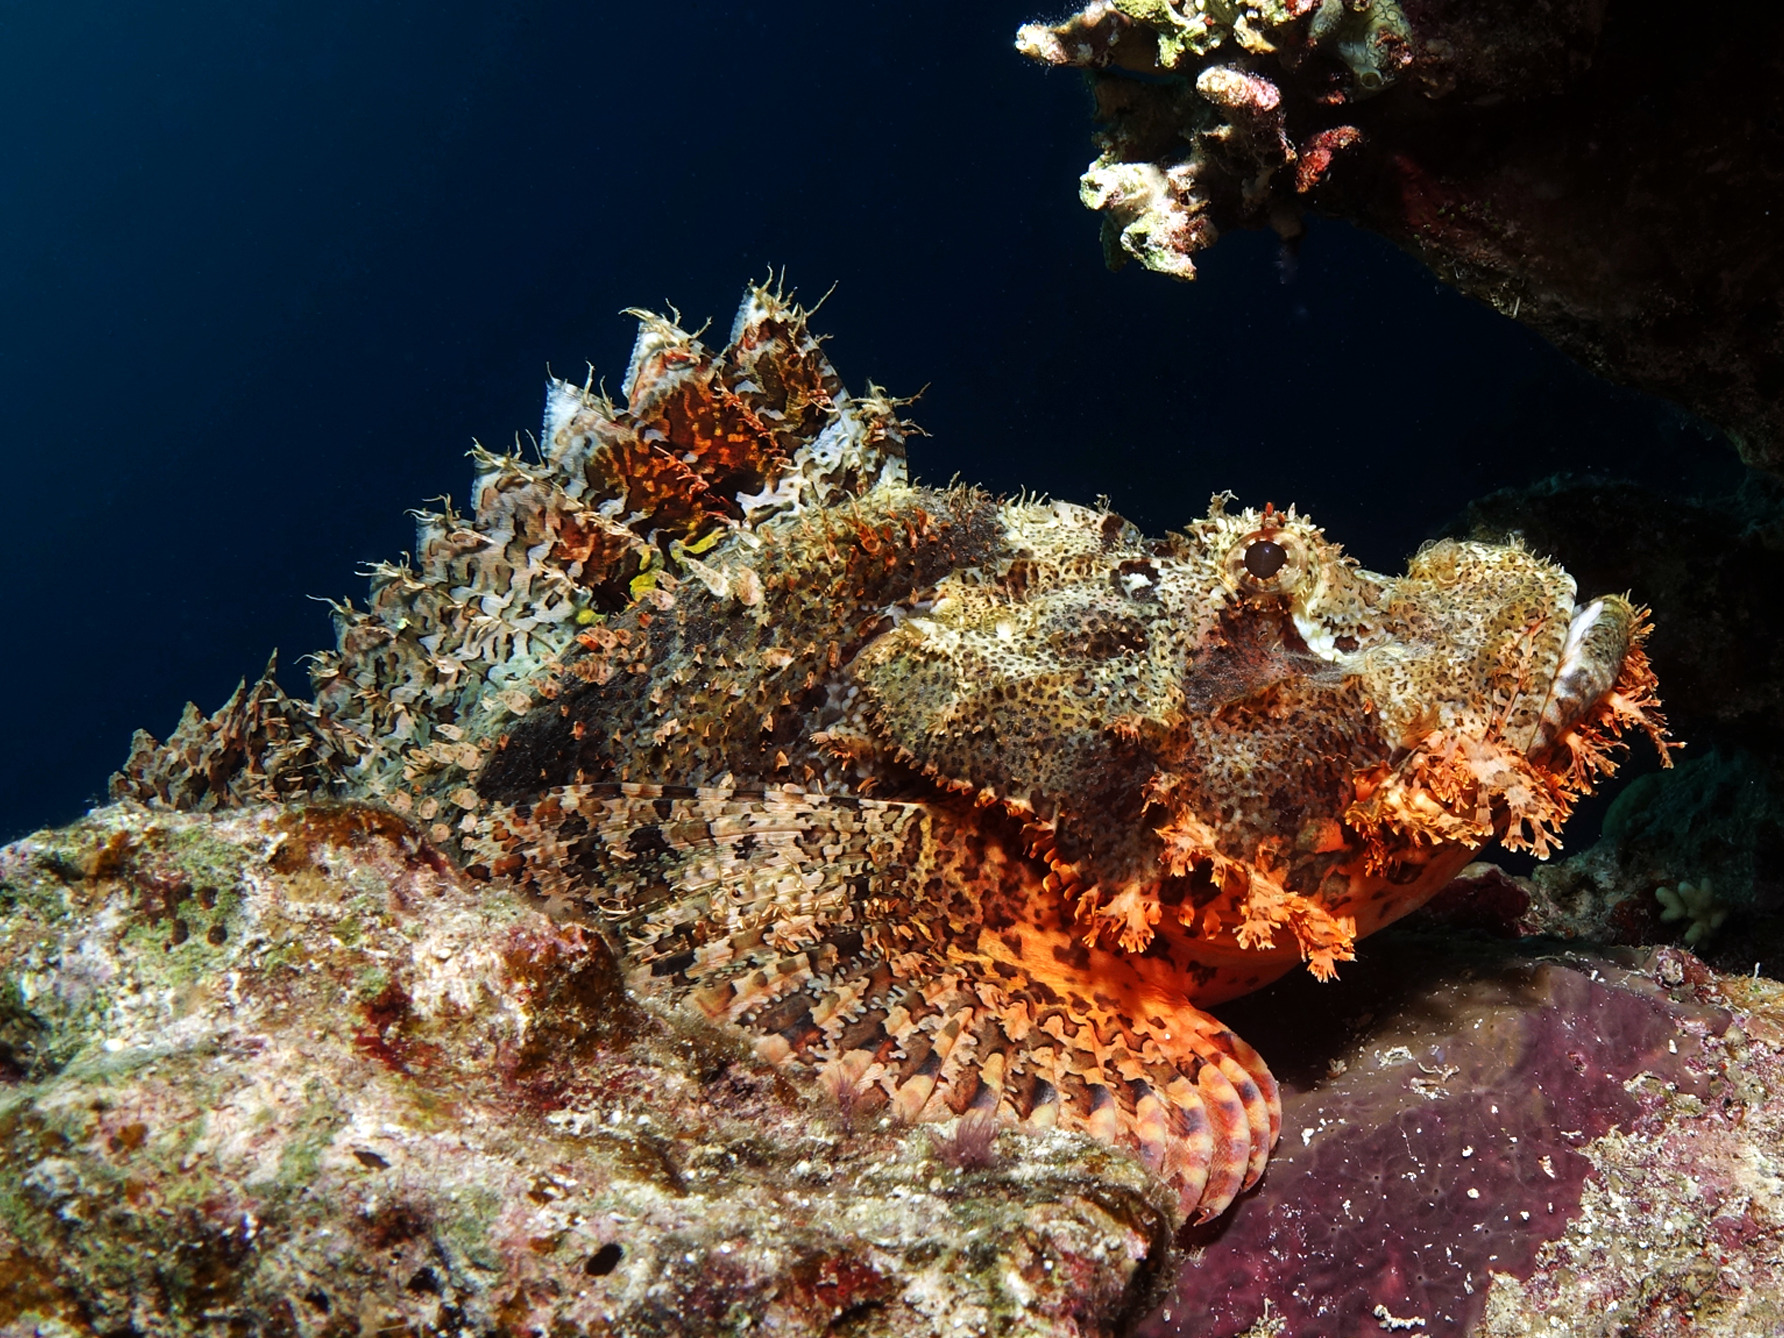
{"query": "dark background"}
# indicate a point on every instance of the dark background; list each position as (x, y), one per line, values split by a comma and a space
(268, 266)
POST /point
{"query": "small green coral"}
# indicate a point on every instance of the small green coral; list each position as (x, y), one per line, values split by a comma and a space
(1693, 902)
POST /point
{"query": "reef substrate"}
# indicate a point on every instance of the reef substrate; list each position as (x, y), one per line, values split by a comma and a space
(284, 1071)
(1507, 1139)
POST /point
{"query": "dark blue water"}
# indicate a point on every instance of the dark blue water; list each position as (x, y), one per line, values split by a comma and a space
(268, 267)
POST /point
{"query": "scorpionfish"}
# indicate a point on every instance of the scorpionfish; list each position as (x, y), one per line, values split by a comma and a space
(954, 804)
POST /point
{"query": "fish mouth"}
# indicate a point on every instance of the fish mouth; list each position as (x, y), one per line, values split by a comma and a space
(1600, 638)
(1603, 687)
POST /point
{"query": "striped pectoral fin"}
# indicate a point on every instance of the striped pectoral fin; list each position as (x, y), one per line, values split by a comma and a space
(1252, 1083)
(931, 1039)
(793, 917)
(1202, 1114)
(1230, 1156)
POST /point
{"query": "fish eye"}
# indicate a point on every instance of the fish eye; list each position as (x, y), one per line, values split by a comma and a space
(1264, 558)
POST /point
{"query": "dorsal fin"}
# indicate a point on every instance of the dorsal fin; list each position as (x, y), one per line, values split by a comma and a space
(454, 645)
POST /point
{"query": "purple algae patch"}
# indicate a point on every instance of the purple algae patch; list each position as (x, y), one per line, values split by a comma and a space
(1434, 1101)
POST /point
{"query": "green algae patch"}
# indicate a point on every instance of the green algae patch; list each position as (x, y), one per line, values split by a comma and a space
(350, 928)
(469, 1222)
(371, 983)
(40, 892)
(203, 859)
(308, 1135)
(27, 1043)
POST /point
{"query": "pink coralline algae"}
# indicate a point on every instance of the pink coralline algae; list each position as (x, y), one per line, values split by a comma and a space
(1494, 1142)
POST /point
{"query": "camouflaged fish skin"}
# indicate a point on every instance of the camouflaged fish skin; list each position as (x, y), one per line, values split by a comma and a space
(954, 804)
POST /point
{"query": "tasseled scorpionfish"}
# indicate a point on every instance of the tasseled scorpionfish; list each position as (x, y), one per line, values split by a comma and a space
(954, 804)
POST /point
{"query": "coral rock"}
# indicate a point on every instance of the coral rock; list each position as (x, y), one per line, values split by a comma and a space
(1603, 172)
(284, 1070)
